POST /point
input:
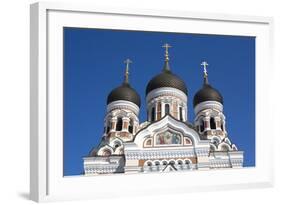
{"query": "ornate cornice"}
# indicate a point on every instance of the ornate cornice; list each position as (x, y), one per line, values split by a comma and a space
(208, 105)
(166, 91)
(122, 104)
(133, 155)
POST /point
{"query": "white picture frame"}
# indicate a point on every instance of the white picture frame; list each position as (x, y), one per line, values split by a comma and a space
(46, 159)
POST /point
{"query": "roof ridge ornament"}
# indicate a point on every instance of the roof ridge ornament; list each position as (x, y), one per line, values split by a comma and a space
(205, 64)
(127, 62)
(166, 65)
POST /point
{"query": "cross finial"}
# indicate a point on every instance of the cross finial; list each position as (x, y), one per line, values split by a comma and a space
(205, 64)
(166, 46)
(127, 62)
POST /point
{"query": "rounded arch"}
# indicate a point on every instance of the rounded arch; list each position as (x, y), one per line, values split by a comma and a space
(116, 141)
(164, 162)
(200, 116)
(187, 140)
(157, 163)
(213, 112)
(114, 115)
(187, 164)
(224, 147)
(187, 161)
(167, 109)
(119, 123)
(216, 140)
(131, 126)
(201, 125)
(132, 117)
(213, 125)
(148, 163)
(148, 142)
(120, 113)
(105, 151)
(117, 144)
(179, 162)
(168, 123)
(181, 111)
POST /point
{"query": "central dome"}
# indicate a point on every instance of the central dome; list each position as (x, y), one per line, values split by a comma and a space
(124, 92)
(166, 79)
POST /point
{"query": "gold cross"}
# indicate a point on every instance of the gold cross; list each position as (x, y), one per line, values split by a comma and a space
(127, 62)
(205, 64)
(166, 46)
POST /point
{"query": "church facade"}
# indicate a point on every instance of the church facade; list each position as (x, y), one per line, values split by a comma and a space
(167, 141)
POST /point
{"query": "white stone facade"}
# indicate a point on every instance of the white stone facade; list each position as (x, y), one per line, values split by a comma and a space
(143, 151)
(167, 141)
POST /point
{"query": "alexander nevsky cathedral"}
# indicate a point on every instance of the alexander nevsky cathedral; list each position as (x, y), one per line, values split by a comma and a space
(168, 140)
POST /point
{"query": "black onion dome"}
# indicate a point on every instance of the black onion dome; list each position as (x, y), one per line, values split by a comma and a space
(207, 93)
(166, 79)
(124, 92)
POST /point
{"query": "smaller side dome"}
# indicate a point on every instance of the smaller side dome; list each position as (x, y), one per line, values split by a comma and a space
(207, 93)
(124, 92)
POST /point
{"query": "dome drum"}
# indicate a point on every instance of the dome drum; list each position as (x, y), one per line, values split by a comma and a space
(166, 91)
(123, 105)
(214, 105)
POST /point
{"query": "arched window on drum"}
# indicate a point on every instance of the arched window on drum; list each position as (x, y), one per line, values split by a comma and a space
(167, 109)
(202, 125)
(212, 123)
(131, 126)
(119, 124)
(152, 117)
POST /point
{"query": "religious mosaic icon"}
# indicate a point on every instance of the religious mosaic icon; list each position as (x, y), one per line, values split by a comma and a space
(168, 138)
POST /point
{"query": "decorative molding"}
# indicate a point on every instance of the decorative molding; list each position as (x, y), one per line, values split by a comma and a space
(156, 154)
(208, 105)
(123, 104)
(103, 165)
(166, 91)
(173, 125)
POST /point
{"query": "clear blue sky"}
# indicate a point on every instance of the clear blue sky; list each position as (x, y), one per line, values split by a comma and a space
(93, 66)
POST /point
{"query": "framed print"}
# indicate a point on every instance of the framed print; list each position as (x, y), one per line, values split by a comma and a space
(147, 101)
